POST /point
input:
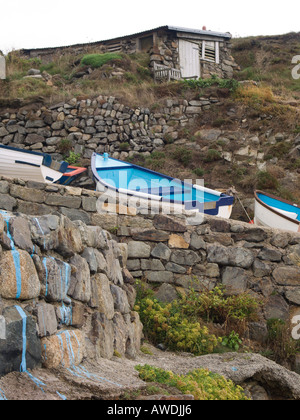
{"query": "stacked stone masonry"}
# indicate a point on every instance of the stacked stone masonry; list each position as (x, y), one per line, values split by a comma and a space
(168, 250)
(62, 228)
(101, 125)
(67, 283)
(161, 44)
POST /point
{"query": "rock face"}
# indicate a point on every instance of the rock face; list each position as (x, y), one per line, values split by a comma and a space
(18, 278)
(246, 370)
(72, 303)
(15, 336)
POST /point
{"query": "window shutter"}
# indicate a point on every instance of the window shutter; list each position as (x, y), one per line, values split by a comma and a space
(210, 51)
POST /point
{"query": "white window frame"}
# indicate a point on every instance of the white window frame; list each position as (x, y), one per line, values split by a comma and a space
(217, 52)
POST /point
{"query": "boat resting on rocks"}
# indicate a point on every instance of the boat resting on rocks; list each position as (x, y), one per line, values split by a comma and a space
(134, 181)
(71, 174)
(276, 213)
(30, 166)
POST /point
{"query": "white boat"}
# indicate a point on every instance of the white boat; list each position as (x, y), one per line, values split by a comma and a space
(29, 165)
(131, 180)
(275, 212)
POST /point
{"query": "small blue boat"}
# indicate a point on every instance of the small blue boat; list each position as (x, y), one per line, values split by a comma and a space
(274, 212)
(132, 180)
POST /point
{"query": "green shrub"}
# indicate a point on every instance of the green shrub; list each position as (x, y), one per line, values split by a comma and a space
(179, 325)
(233, 341)
(213, 156)
(280, 150)
(131, 78)
(266, 181)
(158, 155)
(215, 306)
(163, 325)
(156, 161)
(201, 383)
(199, 172)
(98, 60)
(73, 158)
(297, 129)
(65, 146)
(144, 72)
(230, 84)
(124, 146)
(183, 155)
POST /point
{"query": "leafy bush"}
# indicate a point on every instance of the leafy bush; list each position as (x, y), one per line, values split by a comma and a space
(179, 325)
(233, 341)
(230, 84)
(201, 383)
(98, 60)
(199, 172)
(73, 158)
(280, 150)
(213, 155)
(183, 155)
(156, 161)
(163, 325)
(213, 306)
(144, 72)
(266, 181)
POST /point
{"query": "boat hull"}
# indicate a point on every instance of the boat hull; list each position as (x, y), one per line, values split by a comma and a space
(30, 166)
(128, 180)
(269, 216)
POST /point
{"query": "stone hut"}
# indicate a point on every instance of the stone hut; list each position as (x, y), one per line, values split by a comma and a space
(194, 53)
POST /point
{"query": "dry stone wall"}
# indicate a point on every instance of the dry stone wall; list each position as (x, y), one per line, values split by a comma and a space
(65, 294)
(75, 279)
(101, 125)
(170, 253)
(39, 199)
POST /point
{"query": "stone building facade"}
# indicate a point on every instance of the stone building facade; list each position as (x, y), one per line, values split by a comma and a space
(196, 53)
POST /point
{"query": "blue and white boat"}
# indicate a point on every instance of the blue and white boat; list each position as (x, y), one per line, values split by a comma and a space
(134, 181)
(29, 165)
(275, 212)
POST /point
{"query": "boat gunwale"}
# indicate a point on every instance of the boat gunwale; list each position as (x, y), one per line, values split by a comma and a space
(256, 192)
(131, 193)
(77, 171)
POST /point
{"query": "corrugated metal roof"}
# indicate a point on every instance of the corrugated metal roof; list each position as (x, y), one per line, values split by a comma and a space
(226, 35)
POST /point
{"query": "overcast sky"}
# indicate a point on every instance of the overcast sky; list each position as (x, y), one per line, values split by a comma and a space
(34, 24)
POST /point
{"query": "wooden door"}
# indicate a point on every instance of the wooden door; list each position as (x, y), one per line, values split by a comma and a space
(189, 59)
